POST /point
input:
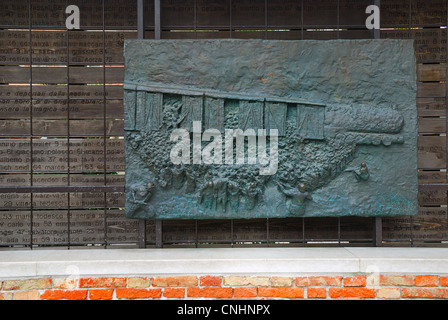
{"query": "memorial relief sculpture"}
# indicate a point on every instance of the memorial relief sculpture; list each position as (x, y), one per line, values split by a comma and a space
(266, 128)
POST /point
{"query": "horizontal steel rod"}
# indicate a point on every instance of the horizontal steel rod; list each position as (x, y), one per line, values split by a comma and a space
(102, 188)
(433, 186)
(44, 189)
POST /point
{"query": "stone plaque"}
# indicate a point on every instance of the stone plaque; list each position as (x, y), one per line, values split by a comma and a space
(264, 129)
(275, 116)
(310, 122)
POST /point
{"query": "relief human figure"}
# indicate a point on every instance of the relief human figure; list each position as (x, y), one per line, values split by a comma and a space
(190, 183)
(135, 140)
(252, 192)
(140, 194)
(178, 174)
(362, 173)
(234, 196)
(221, 193)
(165, 177)
(207, 195)
(298, 197)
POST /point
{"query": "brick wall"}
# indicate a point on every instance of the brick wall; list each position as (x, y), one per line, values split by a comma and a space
(354, 286)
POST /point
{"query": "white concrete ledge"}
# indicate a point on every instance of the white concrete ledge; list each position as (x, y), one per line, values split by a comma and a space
(222, 261)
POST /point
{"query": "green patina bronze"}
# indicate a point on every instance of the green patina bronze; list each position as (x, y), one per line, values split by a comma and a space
(345, 113)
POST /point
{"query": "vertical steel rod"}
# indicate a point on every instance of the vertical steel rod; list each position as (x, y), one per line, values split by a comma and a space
(31, 122)
(376, 32)
(231, 233)
(157, 26)
(268, 238)
(446, 104)
(142, 233)
(140, 26)
(303, 231)
(266, 19)
(266, 37)
(301, 18)
(68, 131)
(195, 14)
(159, 230)
(338, 19)
(302, 8)
(230, 19)
(157, 35)
(378, 232)
(378, 222)
(104, 125)
(411, 219)
(338, 9)
(196, 234)
(339, 231)
(141, 35)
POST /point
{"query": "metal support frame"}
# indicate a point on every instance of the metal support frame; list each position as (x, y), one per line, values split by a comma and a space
(68, 188)
(141, 35)
(157, 34)
(377, 222)
(446, 113)
(378, 232)
(31, 120)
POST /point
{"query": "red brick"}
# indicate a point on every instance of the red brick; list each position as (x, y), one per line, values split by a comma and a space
(180, 281)
(175, 293)
(396, 280)
(259, 281)
(101, 294)
(245, 292)
(444, 281)
(316, 292)
(430, 293)
(210, 292)
(388, 293)
(26, 295)
(65, 283)
(210, 281)
(102, 282)
(139, 282)
(282, 281)
(355, 281)
(27, 284)
(64, 294)
(281, 292)
(5, 296)
(351, 292)
(132, 293)
(427, 281)
(319, 281)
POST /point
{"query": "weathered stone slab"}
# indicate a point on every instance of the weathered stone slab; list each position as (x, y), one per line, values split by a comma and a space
(275, 116)
(310, 122)
(264, 129)
(214, 114)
